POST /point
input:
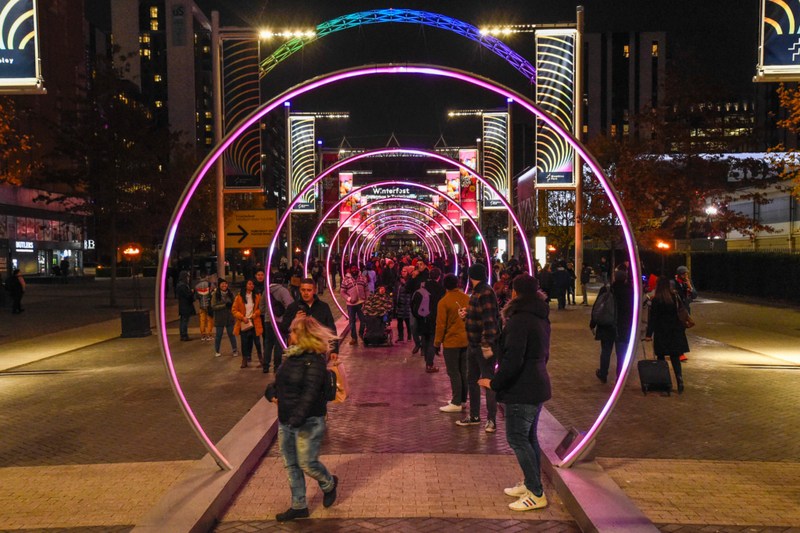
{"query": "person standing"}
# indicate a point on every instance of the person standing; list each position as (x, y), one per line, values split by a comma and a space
(684, 289)
(309, 304)
(604, 269)
(546, 281)
(403, 307)
(281, 299)
(247, 313)
(616, 336)
(503, 289)
(355, 292)
(571, 286)
(185, 304)
(296, 276)
(586, 274)
(15, 285)
(371, 276)
(483, 333)
(64, 266)
(202, 293)
(221, 304)
(302, 412)
(451, 332)
(561, 283)
(426, 323)
(522, 383)
(665, 329)
(318, 274)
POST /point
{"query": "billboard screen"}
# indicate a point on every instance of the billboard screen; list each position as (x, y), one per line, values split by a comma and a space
(779, 53)
(555, 84)
(20, 69)
(495, 158)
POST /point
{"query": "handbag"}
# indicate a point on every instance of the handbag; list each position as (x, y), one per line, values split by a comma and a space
(341, 382)
(295, 281)
(684, 316)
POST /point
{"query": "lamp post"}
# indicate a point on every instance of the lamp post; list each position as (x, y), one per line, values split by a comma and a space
(132, 252)
(663, 247)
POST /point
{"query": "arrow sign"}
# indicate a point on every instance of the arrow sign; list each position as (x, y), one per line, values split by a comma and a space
(244, 233)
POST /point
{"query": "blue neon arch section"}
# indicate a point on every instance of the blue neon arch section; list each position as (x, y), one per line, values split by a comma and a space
(410, 16)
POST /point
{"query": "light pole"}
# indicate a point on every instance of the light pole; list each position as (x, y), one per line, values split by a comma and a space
(664, 249)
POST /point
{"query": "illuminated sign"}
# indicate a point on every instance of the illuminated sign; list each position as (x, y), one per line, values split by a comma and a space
(495, 158)
(555, 83)
(20, 68)
(88, 244)
(469, 185)
(302, 164)
(242, 161)
(24, 246)
(779, 51)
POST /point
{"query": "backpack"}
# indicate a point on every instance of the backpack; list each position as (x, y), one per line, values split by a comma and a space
(425, 305)
(277, 306)
(604, 310)
(329, 387)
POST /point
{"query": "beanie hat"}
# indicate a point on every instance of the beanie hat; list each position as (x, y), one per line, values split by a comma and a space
(682, 270)
(477, 272)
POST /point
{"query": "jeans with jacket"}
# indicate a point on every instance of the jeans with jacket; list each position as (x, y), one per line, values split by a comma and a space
(218, 337)
(272, 346)
(521, 423)
(353, 312)
(456, 361)
(480, 367)
(605, 356)
(183, 325)
(300, 451)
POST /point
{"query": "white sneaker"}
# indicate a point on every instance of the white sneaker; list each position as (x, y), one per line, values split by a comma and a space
(517, 490)
(450, 408)
(491, 427)
(529, 502)
(216, 354)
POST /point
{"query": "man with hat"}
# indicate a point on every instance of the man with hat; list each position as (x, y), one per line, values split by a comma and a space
(482, 322)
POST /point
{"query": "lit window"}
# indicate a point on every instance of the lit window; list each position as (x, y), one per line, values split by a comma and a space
(146, 53)
(154, 25)
(624, 129)
(585, 129)
(145, 38)
(206, 49)
(626, 51)
(157, 77)
(153, 12)
(208, 114)
(655, 49)
(159, 103)
(208, 127)
(209, 141)
(613, 129)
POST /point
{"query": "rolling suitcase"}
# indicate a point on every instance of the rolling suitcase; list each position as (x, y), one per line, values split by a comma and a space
(654, 374)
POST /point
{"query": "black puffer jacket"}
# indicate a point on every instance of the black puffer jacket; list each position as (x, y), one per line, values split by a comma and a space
(525, 349)
(623, 298)
(298, 387)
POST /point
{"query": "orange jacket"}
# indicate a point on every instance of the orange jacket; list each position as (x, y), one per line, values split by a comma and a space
(239, 310)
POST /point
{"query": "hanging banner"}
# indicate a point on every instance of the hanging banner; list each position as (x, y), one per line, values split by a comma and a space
(779, 53)
(555, 82)
(302, 161)
(242, 160)
(345, 186)
(330, 185)
(20, 66)
(453, 190)
(495, 159)
(469, 185)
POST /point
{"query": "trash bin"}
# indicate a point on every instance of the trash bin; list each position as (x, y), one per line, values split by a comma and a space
(136, 323)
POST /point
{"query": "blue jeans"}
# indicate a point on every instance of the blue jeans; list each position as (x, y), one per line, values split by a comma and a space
(414, 332)
(300, 451)
(183, 325)
(218, 338)
(354, 311)
(521, 423)
(480, 367)
(571, 294)
(271, 346)
(605, 356)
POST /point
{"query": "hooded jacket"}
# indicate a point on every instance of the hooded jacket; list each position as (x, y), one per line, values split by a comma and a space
(279, 293)
(525, 349)
(298, 387)
(427, 325)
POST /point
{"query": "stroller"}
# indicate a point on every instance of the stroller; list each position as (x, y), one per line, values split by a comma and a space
(378, 330)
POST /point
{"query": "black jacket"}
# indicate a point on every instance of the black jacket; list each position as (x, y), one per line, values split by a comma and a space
(298, 387)
(319, 310)
(185, 299)
(427, 325)
(525, 349)
(665, 328)
(623, 298)
(561, 278)
(586, 274)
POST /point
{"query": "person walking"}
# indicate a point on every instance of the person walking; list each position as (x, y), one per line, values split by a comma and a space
(684, 289)
(483, 333)
(452, 333)
(523, 385)
(604, 269)
(546, 281)
(248, 326)
(15, 285)
(371, 276)
(571, 286)
(561, 283)
(302, 412)
(224, 321)
(665, 329)
(318, 275)
(309, 304)
(202, 293)
(586, 274)
(185, 304)
(615, 336)
(403, 307)
(355, 292)
(281, 299)
(418, 276)
(424, 307)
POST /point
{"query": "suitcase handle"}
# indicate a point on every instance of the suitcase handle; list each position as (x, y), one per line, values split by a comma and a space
(644, 350)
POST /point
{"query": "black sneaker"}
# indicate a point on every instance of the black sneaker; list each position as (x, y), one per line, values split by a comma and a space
(600, 377)
(469, 421)
(329, 497)
(291, 514)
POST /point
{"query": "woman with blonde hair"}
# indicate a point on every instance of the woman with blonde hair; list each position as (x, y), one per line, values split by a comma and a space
(302, 409)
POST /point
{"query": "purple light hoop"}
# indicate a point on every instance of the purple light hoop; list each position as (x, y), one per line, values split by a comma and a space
(440, 71)
(434, 244)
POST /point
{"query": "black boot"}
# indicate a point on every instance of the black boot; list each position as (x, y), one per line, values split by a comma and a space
(291, 514)
(679, 379)
(329, 497)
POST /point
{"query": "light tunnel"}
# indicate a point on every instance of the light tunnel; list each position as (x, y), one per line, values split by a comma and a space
(586, 439)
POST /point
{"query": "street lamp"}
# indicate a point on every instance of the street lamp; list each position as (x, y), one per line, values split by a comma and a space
(664, 249)
(132, 252)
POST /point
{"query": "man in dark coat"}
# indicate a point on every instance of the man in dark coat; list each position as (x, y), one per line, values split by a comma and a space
(561, 282)
(586, 274)
(616, 336)
(522, 383)
(185, 304)
(309, 304)
(426, 325)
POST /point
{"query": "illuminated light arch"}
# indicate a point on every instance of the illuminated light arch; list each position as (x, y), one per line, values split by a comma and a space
(380, 16)
(382, 233)
(355, 232)
(426, 232)
(440, 71)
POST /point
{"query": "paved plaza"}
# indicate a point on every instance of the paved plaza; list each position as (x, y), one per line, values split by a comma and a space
(91, 438)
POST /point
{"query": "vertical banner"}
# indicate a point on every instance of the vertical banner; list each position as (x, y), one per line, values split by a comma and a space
(779, 53)
(555, 84)
(495, 159)
(20, 66)
(302, 161)
(345, 186)
(330, 185)
(469, 185)
(453, 189)
(242, 160)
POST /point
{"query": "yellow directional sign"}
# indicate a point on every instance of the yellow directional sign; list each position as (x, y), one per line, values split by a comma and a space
(250, 229)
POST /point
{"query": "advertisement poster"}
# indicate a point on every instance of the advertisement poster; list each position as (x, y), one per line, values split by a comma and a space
(453, 190)
(495, 159)
(469, 185)
(345, 186)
